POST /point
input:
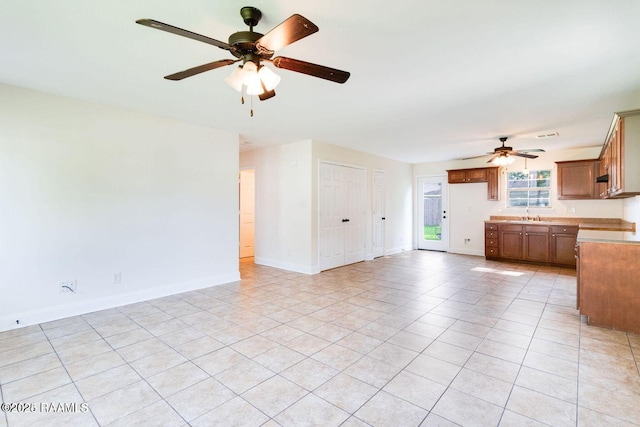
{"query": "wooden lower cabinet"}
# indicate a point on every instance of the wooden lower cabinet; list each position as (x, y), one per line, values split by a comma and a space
(543, 244)
(563, 245)
(536, 243)
(510, 241)
(609, 291)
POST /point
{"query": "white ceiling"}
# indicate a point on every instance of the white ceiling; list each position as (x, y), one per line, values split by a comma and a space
(430, 80)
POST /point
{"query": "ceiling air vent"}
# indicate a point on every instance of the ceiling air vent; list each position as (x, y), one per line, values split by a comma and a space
(547, 135)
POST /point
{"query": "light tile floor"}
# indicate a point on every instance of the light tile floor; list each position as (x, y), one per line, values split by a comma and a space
(416, 339)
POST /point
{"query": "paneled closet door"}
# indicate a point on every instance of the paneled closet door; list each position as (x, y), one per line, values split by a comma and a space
(341, 215)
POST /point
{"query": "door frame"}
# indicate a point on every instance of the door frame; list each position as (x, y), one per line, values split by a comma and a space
(247, 168)
(443, 244)
(381, 214)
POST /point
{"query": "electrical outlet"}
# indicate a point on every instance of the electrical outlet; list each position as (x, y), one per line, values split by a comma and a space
(68, 286)
(117, 278)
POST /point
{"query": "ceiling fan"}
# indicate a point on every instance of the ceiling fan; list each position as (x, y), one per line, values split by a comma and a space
(503, 155)
(254, 49)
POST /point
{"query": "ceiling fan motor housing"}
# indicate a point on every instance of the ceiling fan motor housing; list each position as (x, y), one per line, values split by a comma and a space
(244, 43)
(250, 15)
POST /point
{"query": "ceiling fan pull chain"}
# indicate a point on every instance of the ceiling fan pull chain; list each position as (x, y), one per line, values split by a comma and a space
(251, 112)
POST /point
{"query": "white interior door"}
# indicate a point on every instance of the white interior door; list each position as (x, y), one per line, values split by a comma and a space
(247, 212)
(341, 210)
(331, 216)
(433, 226)
(378, 214)
(353, 222)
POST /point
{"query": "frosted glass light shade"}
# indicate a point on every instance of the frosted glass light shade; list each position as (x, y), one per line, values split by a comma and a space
(235, 79)
(503, 160)
(268, 78)
(251, 79)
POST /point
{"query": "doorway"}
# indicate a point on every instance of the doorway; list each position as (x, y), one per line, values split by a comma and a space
(433, 227)
(247, 212)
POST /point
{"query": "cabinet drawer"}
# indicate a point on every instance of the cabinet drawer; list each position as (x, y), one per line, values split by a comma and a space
(491, 234)
(569, 229)
(536, 228)
(490, 251)
(490, 226)
(492, 243)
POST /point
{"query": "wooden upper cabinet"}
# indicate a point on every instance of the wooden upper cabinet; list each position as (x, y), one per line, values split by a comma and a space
(493, 184)
(461, 176)
(489, 175)
(620, 156)
(577, 179)
(457, 176)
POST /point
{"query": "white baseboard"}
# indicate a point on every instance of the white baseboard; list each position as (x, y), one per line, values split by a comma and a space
(394, 251)
(466, 251)
(297, 268)
(90, 305)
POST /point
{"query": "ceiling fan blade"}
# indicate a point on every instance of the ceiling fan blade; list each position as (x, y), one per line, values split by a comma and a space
(267, 95)
(476, 157)
(184, 33)
(310, 69)
(199, 69)
(521, 154)
(532, 150)
(290, 30)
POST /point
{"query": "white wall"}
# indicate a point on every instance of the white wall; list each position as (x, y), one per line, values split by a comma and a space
(283, 205)
(469, 207)
(632, 210)
(88, 192)
(287, 201)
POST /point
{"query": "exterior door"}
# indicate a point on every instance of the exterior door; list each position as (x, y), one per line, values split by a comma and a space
(378, 213)
(247, 212)
(341, 215)
(433, 227)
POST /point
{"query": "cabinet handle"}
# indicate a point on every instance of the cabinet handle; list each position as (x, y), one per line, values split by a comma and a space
(553, 235)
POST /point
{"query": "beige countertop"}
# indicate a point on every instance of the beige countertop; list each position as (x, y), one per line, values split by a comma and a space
(608, 236)
(604, 224)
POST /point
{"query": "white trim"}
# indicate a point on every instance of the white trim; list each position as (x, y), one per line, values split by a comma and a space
(297, 268)
(88, 306)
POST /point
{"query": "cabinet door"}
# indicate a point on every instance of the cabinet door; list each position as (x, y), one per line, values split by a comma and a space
(563, 244)
(510, 241)
(576, 180)
(536, 243)
(615, 178)
(457, 176)
(563, 249)
(476, 175)
(493, 184)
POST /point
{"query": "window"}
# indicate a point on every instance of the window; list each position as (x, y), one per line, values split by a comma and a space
(528, 189)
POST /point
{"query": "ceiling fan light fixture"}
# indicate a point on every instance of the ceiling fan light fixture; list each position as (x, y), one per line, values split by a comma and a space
(503, 160)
